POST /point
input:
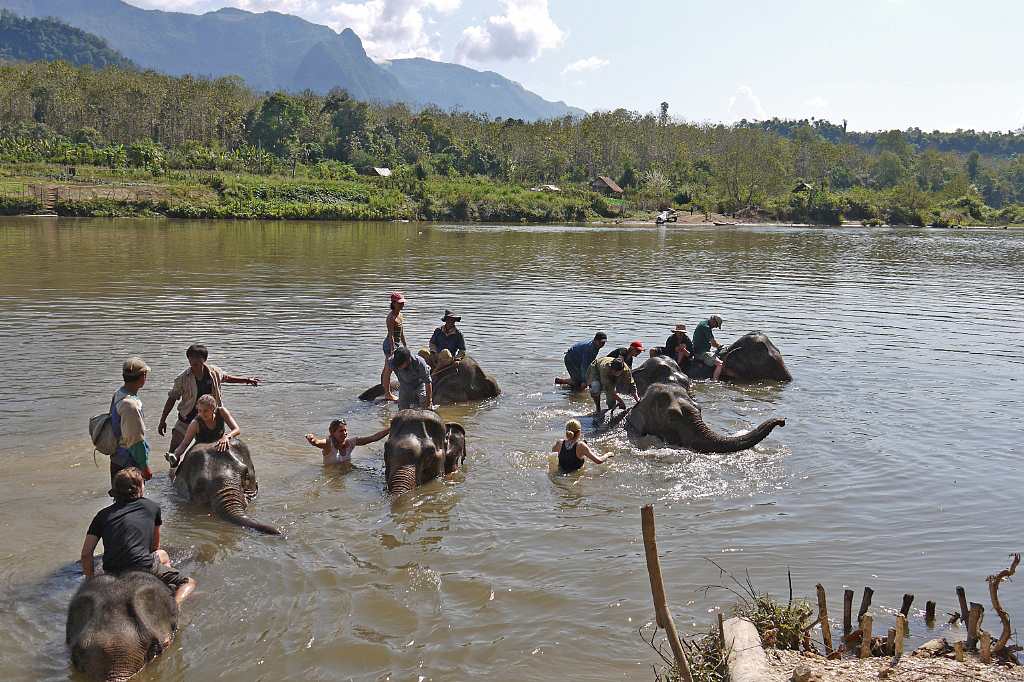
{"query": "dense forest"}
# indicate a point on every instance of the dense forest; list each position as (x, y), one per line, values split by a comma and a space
(33, 40)
(121, 118)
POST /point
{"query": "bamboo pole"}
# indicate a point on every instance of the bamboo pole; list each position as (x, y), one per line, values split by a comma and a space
(847, 613)
(826, 630)
(890, 642)
(958, 650)
(986, 647)
(662, 614)
(865, 603)
(901, 627)
(865, 636)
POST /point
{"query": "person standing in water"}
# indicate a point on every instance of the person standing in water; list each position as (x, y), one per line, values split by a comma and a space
(571, 449)
(338, 446)
(394, 339)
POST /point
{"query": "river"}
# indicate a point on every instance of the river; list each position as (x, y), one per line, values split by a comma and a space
(899, 467)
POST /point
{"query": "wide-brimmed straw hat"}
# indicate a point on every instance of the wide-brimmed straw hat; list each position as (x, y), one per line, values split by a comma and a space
(678, 328)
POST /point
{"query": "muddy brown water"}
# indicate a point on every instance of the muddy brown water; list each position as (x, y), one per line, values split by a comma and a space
(899, 467)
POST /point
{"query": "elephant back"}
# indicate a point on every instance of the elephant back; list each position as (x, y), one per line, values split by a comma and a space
(466, 381)
(753, 357)
(659, 370)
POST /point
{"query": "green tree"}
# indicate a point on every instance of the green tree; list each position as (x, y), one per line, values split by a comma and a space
(277, 123)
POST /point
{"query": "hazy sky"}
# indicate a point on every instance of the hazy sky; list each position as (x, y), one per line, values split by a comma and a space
(880, 64)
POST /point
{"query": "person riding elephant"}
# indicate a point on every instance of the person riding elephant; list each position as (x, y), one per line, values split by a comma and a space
(752, 357)
(667, 409)
(225, 480)
(447, 345)
(116, 624)
(420, 448)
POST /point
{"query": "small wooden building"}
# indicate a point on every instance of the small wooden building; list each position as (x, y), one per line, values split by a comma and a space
(381, 172)
(605, 186)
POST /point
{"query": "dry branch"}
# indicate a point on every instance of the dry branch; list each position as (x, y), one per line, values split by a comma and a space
(993, 588)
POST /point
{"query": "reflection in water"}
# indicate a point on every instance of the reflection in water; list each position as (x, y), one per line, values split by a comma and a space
(493, 571)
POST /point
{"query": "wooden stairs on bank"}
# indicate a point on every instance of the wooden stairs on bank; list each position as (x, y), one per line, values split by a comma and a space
(50, 204)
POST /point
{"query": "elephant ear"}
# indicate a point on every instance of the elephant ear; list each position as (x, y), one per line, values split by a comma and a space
(80, 612)
(156, 615)
(454, 447)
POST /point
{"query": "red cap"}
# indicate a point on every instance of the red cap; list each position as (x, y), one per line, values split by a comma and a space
(397, 298)
(636, 344)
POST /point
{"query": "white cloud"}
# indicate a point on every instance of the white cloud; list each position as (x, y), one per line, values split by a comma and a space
(745, 104)
(585, 65)
(816, 102)
(523, 31)
(392, 29)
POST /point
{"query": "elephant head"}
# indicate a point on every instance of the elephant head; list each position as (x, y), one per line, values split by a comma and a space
(420, 448)
(116, 624)
(753, 357)
(224, 480)
(660, 369)
(462, 382)
(668, 412)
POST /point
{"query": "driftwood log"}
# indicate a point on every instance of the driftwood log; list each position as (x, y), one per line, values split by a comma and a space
(993, 588)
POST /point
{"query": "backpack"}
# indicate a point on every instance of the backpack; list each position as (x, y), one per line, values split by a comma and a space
(102, 432)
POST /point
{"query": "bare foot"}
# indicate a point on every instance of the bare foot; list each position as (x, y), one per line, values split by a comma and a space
(388, 396)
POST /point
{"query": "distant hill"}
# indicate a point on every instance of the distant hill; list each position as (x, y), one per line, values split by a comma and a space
(450, 86)
(272, 51)
(34, 40)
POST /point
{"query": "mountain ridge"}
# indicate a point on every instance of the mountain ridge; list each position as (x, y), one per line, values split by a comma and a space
(275, 51)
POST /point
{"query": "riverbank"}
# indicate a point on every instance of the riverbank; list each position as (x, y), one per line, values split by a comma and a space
(782, 664)
(213, 195)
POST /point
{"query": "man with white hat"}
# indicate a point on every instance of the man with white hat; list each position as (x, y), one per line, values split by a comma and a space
(128, 421)
(704, 339)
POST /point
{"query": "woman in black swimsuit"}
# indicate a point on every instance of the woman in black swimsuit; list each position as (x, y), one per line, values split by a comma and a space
(210, 426)
(571, 450)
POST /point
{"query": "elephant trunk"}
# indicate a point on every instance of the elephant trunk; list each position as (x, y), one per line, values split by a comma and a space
(403, 480)
(706, 440)
(229, 504)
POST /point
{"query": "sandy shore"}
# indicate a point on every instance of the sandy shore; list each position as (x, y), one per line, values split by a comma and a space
(909, 669)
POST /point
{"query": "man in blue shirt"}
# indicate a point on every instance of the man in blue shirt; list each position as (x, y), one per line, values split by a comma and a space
(414, 386)
(578, 360)
(447, 345)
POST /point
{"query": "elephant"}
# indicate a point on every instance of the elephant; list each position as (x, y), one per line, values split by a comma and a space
(463, 382)
(225, 480)
(454, 384)
(667, 409)
(116, 624)
(420, 448)
(660, 369)
(752, 357)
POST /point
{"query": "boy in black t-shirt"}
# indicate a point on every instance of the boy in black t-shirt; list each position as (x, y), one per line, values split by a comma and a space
(130, 530)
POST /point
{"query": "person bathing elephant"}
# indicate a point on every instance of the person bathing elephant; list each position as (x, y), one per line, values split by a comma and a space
(667, 409)
(225, 480)
(116, 624)
(420, 448)
(457, 383)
